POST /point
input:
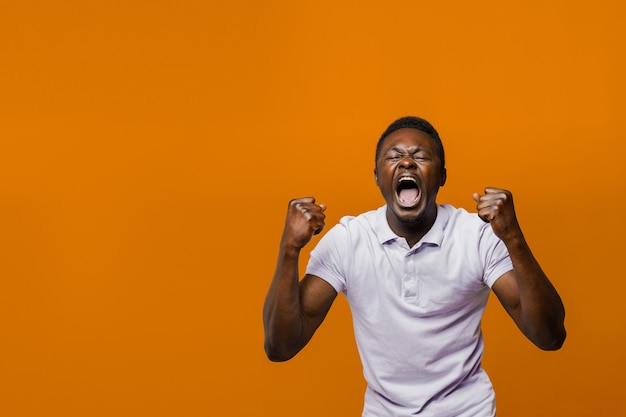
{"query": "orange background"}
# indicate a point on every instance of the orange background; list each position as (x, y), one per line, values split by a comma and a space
(148, 150)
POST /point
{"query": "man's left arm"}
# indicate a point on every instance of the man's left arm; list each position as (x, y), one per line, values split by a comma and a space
(525, 292)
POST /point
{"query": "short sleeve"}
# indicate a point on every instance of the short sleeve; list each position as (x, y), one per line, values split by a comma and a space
(496, 257)
(328, 259)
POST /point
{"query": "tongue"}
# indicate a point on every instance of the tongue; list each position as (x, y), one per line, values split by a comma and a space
(408, 195)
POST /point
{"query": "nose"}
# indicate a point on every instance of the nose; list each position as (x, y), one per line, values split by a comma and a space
(407, 162)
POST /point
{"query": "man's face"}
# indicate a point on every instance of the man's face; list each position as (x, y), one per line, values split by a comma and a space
(409, 174)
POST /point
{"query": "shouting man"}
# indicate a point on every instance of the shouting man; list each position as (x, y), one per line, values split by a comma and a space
(417, 276)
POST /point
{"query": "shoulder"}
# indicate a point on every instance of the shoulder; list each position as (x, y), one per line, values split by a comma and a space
(352, 228)
(460, 218)
(465, 226)
(363, 222)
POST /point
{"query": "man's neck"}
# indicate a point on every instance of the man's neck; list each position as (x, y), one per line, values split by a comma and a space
(414, 231)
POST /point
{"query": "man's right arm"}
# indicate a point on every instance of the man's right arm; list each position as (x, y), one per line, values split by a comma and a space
(294, 309)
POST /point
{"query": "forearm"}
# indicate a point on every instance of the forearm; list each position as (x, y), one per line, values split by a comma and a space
(287, 327)
(282, 316)
(541, 311)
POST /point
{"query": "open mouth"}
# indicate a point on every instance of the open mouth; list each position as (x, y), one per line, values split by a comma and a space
(407, 191)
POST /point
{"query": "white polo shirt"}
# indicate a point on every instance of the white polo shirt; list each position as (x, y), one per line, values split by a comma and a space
(417, 311)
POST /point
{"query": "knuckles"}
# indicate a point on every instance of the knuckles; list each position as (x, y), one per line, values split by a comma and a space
(306, 208)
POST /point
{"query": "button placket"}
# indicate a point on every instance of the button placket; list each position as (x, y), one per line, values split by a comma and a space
(409, 281)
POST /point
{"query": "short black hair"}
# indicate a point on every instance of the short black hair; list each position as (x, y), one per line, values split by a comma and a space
(417, 123)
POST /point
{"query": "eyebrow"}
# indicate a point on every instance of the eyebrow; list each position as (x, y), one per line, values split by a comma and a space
(411, 150)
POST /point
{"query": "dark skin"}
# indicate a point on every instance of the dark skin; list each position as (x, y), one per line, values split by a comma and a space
(294, 309)
(410, 154)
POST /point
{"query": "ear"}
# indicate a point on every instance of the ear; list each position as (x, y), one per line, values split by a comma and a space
(444, 177)
(376, 176)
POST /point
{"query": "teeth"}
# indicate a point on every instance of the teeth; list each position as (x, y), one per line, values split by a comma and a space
(406, 179)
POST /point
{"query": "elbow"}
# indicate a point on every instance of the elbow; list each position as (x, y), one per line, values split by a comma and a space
(274, 357)
(280, 346)
(276, 354)
(552, 346)
(548, 333)
(553, 343)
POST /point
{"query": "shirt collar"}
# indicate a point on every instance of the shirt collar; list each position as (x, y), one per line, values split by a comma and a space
(434, 236)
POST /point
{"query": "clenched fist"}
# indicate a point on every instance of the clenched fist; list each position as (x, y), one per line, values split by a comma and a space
(304, 219)
(496, 208)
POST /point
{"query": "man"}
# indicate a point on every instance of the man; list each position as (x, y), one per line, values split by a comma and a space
(417, 276)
